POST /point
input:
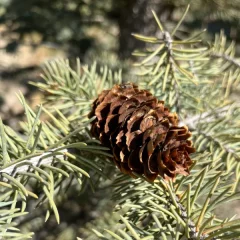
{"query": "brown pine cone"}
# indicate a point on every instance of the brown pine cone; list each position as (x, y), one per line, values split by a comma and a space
(141, 133)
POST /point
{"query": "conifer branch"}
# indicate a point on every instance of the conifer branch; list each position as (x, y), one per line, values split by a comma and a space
(42, 153)
(193, 233)
(206, 116)
(26, 165)
(221, 144)
(226, 57)
(180, 71)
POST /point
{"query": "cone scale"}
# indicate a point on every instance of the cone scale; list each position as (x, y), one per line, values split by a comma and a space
(141, 133)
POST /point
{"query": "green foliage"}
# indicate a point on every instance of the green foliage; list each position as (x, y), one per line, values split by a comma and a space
(173, 65)
(188, 74)
(43, 155)
(185, 209)
(195, 79)
(80, 87)
(153, 210)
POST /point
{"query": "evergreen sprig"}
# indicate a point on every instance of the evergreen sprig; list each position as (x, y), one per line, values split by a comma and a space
(183, 210)
(186, 209)
(173, 64)
(56, 147)
(190, 75)
(76, 87)
(54, 150)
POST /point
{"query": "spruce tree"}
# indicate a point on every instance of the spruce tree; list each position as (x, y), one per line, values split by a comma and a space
(57, 150)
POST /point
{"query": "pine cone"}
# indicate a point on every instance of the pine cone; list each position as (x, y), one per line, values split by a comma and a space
(141, 133)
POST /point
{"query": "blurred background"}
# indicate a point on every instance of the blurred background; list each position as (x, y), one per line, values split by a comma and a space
(35, 31)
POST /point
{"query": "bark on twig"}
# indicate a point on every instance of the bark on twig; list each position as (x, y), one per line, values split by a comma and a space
(37, 161)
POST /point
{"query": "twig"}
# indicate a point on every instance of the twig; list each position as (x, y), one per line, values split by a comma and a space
(223, 146)
(174, 200)
(168, 40)
(26, 165)
(193, 231)
(227, 58)
(207, 116)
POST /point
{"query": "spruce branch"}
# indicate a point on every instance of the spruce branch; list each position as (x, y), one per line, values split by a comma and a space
(184, 72)
(226, 57)
(217, 132)
(222, 51)
(46, 158)
(206, 116)
(190, 225)
(75, 88)
(177, 212)
(175, 65)
(52, 151)
(156, 210)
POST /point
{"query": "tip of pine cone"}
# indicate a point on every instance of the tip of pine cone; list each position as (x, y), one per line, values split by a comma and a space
(142, 134)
